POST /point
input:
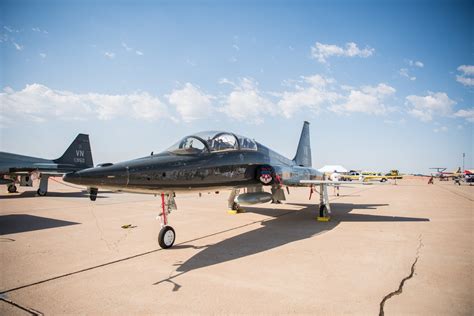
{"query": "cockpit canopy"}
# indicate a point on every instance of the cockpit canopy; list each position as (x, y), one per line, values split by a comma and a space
(212, 141)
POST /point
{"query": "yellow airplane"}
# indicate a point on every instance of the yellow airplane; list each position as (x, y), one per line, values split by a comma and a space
(371, 176)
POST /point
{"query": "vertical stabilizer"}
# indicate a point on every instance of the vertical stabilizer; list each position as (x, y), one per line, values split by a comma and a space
(78, 154)
(303, 153)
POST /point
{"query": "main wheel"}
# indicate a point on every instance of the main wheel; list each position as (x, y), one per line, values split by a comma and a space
(41, 193)
(323, 210)
(93, 194)
(166, 237)
(11, 188)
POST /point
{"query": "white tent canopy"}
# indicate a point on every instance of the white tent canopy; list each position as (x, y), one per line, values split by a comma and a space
(331, 168)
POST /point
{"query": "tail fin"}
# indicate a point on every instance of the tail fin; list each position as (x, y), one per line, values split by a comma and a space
(303, 153)
(78, 154)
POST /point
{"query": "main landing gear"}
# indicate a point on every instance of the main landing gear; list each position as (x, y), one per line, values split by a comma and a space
(93, 193)
(167, 235)
(43, 187)
(324, 206)
(12, 188)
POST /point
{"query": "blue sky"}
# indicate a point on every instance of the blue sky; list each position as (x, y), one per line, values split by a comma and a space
(385, 84)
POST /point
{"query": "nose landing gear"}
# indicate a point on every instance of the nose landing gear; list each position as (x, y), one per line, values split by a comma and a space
(167, 235)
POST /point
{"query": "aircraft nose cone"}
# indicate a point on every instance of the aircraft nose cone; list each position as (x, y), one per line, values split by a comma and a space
(72, 177)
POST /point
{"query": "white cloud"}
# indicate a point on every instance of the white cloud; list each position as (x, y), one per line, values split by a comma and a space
(38, 103)
(4, 37)
(322, 52)
(247, 103)
(127, 48)
(226, 81)
(401, 121)
(131, 49)
(38, 30)
(237, 48)
(416, 63)
(109, 55)
(191, 102)
(10, 29)
(42, 55)
(465, 80)
(441, 129)
(425, 107)
(466, 77)
(191, 62)
(369, 100)
(310, 93)
(468, 114)
(404, 73)
(18, 46)
(466, 69)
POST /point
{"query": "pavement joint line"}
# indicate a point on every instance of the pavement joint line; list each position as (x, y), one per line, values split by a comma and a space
(156, 250)
(402, 282)
(456, 193)
(29, 310)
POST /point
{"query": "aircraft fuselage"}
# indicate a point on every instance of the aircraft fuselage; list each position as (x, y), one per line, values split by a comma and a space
(169, 172)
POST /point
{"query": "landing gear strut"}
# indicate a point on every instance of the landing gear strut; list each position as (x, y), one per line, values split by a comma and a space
(43, 187)
(324, 206)
(234, 206)
(12, 188)
(167, 235)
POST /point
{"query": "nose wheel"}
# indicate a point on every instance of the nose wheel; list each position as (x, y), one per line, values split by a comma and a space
(166, 237)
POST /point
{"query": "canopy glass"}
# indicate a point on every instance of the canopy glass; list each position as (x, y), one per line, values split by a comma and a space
(212, 141)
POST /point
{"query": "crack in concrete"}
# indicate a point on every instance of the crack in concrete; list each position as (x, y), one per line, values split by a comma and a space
(402, 282)
(29, 310)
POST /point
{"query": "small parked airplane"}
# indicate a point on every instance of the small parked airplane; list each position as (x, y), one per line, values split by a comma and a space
(19, 169)
(210, 161)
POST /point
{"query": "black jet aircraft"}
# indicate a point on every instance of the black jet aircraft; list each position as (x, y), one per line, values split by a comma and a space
(19, 169)
(209, 161)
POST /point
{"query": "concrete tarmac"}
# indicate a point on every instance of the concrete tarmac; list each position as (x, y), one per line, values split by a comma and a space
(408, 247)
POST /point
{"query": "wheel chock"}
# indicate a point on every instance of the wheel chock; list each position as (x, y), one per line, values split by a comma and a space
(235, 212)
(323, 219)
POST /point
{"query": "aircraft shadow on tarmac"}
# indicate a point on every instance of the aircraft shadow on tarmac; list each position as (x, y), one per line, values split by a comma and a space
(287, 226)
(32, 194)
(20, 223)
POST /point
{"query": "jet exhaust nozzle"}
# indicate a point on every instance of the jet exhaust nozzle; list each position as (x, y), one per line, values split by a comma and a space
(253, 198)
